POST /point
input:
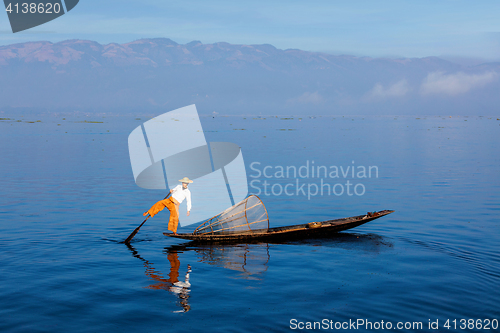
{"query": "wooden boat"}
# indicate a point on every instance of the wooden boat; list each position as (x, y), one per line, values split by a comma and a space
(299, 231)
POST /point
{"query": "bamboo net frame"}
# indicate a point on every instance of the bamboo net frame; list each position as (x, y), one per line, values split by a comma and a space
(248, 215)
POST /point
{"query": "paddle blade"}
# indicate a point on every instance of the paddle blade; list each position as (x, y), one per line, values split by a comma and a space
(132, 235)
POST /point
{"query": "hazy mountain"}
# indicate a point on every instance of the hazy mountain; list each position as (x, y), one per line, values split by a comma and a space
(158, 73)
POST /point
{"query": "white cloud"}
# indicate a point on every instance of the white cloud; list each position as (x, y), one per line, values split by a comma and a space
(454, 84)
(399, 89)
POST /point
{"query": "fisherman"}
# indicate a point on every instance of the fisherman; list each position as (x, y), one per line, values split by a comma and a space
(179, 193)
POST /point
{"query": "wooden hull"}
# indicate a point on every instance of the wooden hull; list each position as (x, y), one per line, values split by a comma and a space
(299, 231)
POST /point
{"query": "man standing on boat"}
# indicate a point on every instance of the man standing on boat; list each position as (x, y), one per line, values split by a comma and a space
(179, 193)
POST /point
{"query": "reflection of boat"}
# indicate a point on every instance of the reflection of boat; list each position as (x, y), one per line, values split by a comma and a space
(248, 220)
(251, 260)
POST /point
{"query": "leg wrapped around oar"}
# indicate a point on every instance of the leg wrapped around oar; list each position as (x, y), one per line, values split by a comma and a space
(157, 207)
(173, 206)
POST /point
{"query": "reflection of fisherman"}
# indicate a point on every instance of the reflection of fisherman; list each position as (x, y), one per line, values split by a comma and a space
(181, 289)
(179, 193)
(172, 284)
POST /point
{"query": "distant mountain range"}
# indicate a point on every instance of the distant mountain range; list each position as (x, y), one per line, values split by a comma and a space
(151, 75)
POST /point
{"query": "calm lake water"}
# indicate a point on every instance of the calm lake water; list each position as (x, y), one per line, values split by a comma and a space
(69, 199)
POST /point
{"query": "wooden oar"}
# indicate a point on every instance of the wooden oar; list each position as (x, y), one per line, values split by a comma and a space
(132, 235)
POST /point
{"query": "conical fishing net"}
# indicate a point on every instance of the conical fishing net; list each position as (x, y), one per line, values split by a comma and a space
(247, 216)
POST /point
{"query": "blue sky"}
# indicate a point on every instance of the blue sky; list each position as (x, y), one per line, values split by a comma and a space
(449, 28)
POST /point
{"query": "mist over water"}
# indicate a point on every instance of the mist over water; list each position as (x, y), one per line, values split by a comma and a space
(69, 199)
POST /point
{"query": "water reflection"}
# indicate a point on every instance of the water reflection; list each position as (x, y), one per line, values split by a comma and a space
(251, 259)
(179, 288)
(370, 242)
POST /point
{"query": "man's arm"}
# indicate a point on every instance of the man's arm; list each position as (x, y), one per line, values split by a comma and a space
(188, 201)
(174, 189)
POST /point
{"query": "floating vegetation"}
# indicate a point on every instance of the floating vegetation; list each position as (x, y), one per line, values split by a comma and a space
(286, 129)
(13, 119)
(239, 129)
(137, 118)
(286, 118)
(90, 122)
